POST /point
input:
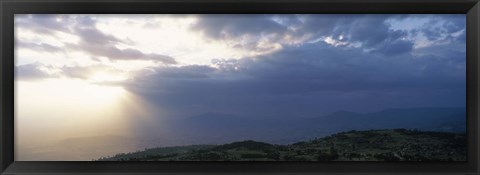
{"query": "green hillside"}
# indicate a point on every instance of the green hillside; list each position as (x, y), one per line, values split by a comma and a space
(372, 145)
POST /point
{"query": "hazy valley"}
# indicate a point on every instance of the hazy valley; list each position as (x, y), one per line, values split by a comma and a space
(217, 129)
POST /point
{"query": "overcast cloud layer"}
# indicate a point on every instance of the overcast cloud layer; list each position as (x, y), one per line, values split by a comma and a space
(255, 65)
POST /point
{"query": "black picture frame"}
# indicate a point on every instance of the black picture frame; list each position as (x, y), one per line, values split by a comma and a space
(10, 7)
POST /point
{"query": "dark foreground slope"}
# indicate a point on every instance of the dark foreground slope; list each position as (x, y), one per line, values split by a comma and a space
(372, 145)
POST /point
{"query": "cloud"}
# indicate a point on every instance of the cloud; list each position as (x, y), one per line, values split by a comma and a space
(188, 72)
(431, 29)
(87, 72)
(34, 71)
(95, 42)
(41, 47)
(46, 24)
(39, 71)
(92, 40)
(377, 68)
(440, 28)
(371, 31)
(395, 48)
(114, 53)
(306, 80)
(234, 26)
(93, 36)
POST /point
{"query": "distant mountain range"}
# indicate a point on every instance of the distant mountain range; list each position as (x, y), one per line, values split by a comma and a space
(372, 145)
(215, 128)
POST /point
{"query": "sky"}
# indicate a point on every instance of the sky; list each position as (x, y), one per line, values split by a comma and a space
(111, 73)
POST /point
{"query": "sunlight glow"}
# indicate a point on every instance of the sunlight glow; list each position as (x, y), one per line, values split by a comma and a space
(82, 107)
(107, 77)
(56, 110)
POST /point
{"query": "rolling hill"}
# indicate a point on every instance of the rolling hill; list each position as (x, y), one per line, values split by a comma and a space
(371, 145)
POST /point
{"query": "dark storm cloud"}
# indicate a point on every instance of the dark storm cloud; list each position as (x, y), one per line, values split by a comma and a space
(437, 28)
(232, 26)
(188, 72)
(462, 37)
(394, 48)
(252, 28)
(92, 40)
(308, 80)
(371, 31)
(324, 67)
